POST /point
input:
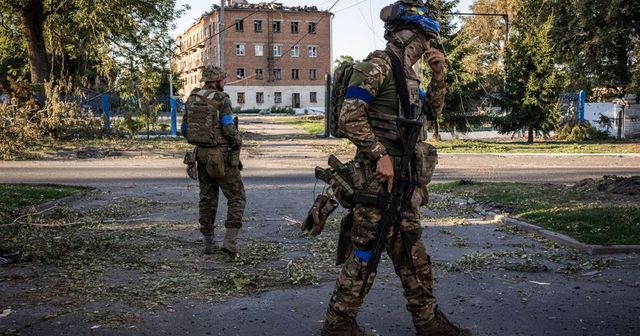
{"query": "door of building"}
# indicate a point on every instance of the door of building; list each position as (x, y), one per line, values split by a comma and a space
(296, 100)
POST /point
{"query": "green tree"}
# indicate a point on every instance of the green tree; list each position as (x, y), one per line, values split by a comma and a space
(86, 38)
(532, 83)
(596, 39)
(462, 87)
(487, 38)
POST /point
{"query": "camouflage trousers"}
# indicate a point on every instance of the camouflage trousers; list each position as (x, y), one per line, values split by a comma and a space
(232, 188)
(347, 299)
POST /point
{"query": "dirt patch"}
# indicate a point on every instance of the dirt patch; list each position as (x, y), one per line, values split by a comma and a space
(611, 184)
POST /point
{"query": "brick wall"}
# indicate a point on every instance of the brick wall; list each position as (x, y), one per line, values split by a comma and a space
(199, 47)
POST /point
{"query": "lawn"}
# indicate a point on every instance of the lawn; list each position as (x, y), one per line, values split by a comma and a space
(311, 124)
(590, 217)
(511, 146)
(21, 195)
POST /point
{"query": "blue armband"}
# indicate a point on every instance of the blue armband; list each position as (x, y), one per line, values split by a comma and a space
(355, 92)
(363, 255)
(421, 93)
(226, 120)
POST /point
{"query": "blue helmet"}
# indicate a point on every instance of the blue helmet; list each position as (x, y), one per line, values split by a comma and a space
(406, 14)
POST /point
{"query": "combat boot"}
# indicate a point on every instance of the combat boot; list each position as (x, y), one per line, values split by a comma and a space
(229, 243)
(210, 245)
(440, 326)
(350, 328)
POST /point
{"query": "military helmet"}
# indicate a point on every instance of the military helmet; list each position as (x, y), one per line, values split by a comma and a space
(212, 73)
(411, 14)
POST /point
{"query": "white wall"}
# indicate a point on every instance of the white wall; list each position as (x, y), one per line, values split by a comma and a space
(269, 93)
(592, 112)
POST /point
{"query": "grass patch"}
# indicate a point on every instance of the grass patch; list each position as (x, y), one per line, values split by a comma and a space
(311, 124)
(591, 217)
(21, 195)
(497, 146)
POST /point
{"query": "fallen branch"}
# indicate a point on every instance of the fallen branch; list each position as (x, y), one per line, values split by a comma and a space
(15, 221)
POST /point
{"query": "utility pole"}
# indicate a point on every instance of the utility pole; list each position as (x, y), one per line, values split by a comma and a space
(222, 33)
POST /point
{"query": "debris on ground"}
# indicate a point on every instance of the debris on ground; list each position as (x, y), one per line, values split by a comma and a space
(611, 184)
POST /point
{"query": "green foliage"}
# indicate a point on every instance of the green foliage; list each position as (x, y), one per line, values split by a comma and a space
(462, 88)
(533, 83)
(133, 125)
(92, 42)
(579, 132)
(282, 110)
(598, 42)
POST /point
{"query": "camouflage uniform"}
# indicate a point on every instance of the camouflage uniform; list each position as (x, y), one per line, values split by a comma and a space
(227, 136)
(369, 124)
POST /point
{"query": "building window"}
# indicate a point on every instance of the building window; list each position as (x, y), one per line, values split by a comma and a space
(295, 51)
(259, 74)
(240, 73)
(241, 98)
(276, 26)
(313, 51)
(295, 73)
(259, 48)
(294, 27)
(277, 74)
(239, 25)
(313, 74)
(259, 97)
(312, 27)
(277, 97)
(257, 26)
(277, 50)
(313, 97)
(239, 49)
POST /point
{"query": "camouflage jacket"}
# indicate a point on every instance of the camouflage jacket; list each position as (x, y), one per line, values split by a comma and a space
(371, 104)
(228, 127)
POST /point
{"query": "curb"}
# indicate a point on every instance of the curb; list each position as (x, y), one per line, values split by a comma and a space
(66, 199)
(551, 235)
(566, 240)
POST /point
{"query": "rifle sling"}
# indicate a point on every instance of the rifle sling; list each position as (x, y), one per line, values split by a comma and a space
(401, 84)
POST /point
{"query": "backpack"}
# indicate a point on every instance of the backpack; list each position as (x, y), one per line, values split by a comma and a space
(202, 120)
(339, 84)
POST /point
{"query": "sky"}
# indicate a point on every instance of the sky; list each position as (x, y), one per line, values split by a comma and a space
(357, 28)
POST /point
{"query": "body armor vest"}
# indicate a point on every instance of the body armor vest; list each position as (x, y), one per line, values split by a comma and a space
(386, 107)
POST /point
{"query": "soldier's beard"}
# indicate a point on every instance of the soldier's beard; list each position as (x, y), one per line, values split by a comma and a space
(219, 86)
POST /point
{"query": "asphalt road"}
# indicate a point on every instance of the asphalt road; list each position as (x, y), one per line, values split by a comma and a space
(490, 302)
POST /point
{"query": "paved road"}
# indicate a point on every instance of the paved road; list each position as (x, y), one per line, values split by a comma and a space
(491, 302)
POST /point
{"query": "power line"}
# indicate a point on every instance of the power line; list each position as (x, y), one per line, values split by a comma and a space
(370, 26)
(345, 8)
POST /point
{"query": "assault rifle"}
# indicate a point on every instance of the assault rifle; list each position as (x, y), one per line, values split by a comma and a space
(400, 198)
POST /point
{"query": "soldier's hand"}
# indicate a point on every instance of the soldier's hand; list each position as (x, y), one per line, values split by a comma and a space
(436, 61)
(384, 171)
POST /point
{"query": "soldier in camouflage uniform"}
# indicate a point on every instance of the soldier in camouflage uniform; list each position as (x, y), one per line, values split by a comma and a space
(367, 118)
(218, 161)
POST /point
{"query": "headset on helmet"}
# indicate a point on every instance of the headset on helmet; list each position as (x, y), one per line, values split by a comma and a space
(407, 14)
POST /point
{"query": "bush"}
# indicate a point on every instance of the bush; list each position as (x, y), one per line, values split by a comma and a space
(24, 123)
(580, 132)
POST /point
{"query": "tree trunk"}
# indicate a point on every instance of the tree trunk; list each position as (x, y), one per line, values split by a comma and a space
(436, 131)
(31, 23)
(530, 137)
